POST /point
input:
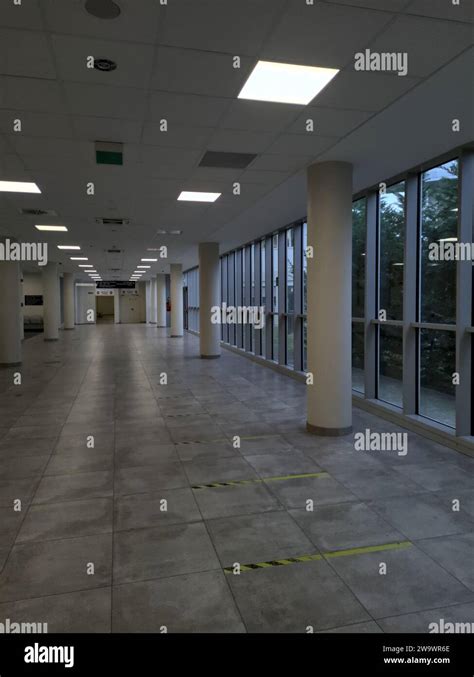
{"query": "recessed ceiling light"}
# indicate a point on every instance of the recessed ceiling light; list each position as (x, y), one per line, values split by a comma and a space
(152, 260)
(138, 267)
(94, 272)
(78, 258)
(158, 232)
(18, 187)
(105, 65)
(176, 232)
(286, 82)
(62, 229)
(67, 246)
(103, 9)
(198, 196)
(86, 265)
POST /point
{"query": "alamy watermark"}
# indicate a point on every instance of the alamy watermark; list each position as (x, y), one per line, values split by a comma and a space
(10, 627)
(224, 314)
(451, 250)
(24, 251)
(391, 62)
(449, 628)
(374, 441)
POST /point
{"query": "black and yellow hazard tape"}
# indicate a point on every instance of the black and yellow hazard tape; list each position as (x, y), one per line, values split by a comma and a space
(398, 545)
(236, 483)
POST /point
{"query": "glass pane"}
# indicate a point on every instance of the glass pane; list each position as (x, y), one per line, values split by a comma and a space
(358, 357)
(305, 267)
(275, 338)
(275, 296)
(390, 365)
(392, 236)
(305, 345)
(437, 366)
(263, 290)
(359, 209)
(290, 297)
(439, 228)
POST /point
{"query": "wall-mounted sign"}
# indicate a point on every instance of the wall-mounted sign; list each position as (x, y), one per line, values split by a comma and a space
(104, 292)
(35, 300)
(116, 284)
(129, 292)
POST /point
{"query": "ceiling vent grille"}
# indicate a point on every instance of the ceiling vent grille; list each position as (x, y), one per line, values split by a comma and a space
(38, 212)
(227, 160)
(112, 222)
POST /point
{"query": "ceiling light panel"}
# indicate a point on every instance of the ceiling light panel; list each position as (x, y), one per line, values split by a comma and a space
(195, 196)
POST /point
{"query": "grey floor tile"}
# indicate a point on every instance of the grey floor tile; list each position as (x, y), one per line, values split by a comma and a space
(160, 552)
(291, 598)
(235, 500)
(264, 444)
(53, 567)
(453, 553)
(80, 461)
(63, 520)
(17, 490)
(271, 465)
(192, 433)
(422, 516)
(295, 493)
(368, 483)
(192, 603)
(200, 471)
(147, 510)
(438, 476)
(88, 611)
(188, 451)
(359, 628)
(345, 525)
(148, 479)
(23, 467)
(421, 621)
(10, 522)
(248, 539)
(38, 447)
(78, 486)
(144, 453)
(69, 444)
(413, 582)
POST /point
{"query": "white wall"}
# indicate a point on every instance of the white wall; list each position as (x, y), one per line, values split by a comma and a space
(133, 306)
(85, 300)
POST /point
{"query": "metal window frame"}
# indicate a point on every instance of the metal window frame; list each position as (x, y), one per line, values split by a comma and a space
(298, 297)
(282, 298)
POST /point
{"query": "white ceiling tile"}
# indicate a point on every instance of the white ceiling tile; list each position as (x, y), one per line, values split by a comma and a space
(388, 5)
(176, 136)
(300, 144)
(30, 94)
(216, 25)
(364, 91)
(187, 109)
(36, 124)
(25, 53)
(260, 116)
(137, 22)
(199, 72)
(429, 43)
(443, 10)
(322, 34)
(26, 15)
(105, 101)
(134, 62)
(329, 121)
(279, 163)
(237, 141)
(267, 177)
(106, 129)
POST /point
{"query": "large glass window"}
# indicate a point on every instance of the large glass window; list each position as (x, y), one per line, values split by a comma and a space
(359, 228)
(439, 230)
(305, 296)
(275, 308)
(392, 240)
(390, 365)
(290, 297)
(263, 297)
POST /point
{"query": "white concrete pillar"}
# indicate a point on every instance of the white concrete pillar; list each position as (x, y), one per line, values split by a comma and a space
(116, 306)
(51, 314)
(148, 302)
(177, 311)
(161, 300)
(209, 296)
(10, 312)
(69, 301)
(329, 308)
(153, 300)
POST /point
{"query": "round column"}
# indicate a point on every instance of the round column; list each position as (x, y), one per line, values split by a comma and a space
(51, 314)
(161, 300)
(177, 313)
(10, 314)
(69, 305)
(329, 307)
(209, 296)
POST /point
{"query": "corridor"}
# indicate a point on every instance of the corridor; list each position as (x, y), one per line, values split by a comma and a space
(153, 491)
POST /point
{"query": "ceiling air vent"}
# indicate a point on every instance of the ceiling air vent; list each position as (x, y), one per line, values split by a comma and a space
(108, 153)
(38, 212)
(112, 222)
(227, 160)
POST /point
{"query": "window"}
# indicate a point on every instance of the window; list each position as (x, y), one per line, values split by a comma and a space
(359, 229)
(263, 297)
(290, 297)
(275, 310)
(439, 229)
(305, 296)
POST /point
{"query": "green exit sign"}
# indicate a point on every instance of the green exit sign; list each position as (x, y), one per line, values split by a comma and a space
(107, 153)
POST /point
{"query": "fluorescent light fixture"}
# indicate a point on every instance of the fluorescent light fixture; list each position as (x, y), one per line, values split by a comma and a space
(158, 232)
(18, 187)
(176, 232)
(78, 258)
(86, 265)
(448, 239)
(398, 264)
(52, 229)
(94, 272)
(286, 82)
(198, 196)
(152, 260)
(70, 247)
(143, 267)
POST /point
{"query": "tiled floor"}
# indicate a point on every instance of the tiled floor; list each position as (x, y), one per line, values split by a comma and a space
(118, 531)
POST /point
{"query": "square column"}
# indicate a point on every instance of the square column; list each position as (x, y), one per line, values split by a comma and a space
(10, 314)
(51, 301)
(209, 297)
(177, 309)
